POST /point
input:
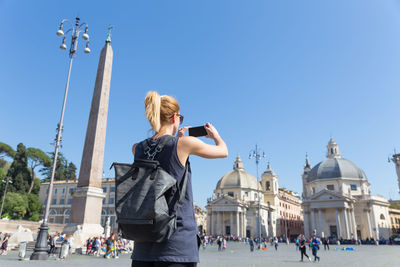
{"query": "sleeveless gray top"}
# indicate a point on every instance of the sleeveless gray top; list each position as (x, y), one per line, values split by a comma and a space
(182, 245)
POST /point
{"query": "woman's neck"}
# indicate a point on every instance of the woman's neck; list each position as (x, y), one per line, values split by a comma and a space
(164, 130)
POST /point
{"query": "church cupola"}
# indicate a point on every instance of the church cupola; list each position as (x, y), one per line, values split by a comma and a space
(238, 164)
(333, 149)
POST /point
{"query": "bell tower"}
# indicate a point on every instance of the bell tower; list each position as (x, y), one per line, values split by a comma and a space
(304, 176)
(333, 149)
(270, 186)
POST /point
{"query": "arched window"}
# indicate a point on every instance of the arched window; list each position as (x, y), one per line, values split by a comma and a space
(267, 186)
(382, 217)
(103, 213)
(53, 212)
(67, 212)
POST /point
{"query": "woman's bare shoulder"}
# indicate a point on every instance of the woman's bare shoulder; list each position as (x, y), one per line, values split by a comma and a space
(134, 148)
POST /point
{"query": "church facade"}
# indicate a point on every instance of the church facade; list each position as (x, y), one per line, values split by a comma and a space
(238, 198)
(337, 200)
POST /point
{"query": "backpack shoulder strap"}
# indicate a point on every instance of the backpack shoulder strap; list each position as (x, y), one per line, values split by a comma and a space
(147, 148)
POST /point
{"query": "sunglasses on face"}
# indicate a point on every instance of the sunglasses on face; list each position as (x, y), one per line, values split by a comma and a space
(180, 118)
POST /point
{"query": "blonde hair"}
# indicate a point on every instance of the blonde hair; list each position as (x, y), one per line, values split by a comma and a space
(159, 109)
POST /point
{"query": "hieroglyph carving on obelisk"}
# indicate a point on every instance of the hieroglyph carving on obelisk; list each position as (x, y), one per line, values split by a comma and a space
(86, 206)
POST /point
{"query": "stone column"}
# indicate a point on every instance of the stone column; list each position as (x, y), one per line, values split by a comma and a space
(231, 226)
(212, 223)
(269, 222)
(354, 224)
(312, 221)
(375, 225)
(223, 223)
(306, 224)
(346, 223)
(244, 223)
(320, 229)
(339, 230)
(369, 225)
(218, 223)
(237, 224)
(350, 223)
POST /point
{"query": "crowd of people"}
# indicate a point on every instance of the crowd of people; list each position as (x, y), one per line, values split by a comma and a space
(301, 243)
(108, 247)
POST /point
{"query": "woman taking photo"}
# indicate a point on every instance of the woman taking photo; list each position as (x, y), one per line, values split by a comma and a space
(163, 113)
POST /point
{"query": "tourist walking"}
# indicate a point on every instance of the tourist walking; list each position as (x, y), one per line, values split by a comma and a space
(326, 243)
(251, 243)
(315, 247)
(303, 248)
(3, 245)
(276, 243)
(163, 113)
(110, 247)
(52, 243)
(219, 242)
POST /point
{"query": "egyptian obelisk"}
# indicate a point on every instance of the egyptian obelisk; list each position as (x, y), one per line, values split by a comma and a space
(396, 161)
(84, 220)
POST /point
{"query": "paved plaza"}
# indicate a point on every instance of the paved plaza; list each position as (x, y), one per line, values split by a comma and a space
(239, 255)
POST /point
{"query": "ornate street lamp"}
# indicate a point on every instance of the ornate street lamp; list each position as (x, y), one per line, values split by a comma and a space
(40, 251)
(257, 154)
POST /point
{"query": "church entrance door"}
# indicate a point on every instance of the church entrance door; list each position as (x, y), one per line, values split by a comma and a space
(227, 230)
(333, 230)
(248, 233)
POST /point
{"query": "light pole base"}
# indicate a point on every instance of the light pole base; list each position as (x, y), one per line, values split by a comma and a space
(40, 252)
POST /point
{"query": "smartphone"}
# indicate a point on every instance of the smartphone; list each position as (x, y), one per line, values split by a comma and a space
(197, 131)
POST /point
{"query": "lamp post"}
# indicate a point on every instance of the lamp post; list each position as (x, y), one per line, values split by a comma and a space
(40, 251)
(4, 195)
(257, 154)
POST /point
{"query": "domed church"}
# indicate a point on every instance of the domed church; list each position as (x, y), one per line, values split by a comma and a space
(233, 210)
(337, 200)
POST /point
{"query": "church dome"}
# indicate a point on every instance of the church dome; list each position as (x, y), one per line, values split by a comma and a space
(335, 166)
(237, 178)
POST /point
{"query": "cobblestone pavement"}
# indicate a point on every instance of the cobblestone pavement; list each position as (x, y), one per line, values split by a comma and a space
(240, 256)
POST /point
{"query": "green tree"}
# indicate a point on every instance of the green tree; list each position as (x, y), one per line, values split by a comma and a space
(6, 151)
(18, 171)
(36, 157)
(34, 208)
(16, 205)
(61, 168)
(71, 171)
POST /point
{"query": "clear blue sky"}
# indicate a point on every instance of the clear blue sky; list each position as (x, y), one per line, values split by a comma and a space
(286, 75)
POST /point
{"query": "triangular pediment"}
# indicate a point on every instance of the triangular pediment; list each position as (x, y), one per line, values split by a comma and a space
(328, 195)
(225, 200)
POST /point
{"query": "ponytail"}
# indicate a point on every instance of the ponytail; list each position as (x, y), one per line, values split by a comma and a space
(152, 103)
(159, 109)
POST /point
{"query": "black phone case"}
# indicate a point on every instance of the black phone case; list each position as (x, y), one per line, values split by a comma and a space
(197, 131)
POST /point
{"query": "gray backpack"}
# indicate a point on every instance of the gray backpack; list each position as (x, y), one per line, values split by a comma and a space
(142, 190)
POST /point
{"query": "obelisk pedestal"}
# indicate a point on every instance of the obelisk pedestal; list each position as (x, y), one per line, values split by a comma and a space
(86, 206)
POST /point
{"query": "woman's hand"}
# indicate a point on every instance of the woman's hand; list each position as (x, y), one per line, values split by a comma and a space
(181, 131)
(211, 131)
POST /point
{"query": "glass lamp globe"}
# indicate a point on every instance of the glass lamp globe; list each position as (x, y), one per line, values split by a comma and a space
(60, 33)
(85, 36)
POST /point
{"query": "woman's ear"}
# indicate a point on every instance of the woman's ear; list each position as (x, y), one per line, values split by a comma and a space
(173, 119)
